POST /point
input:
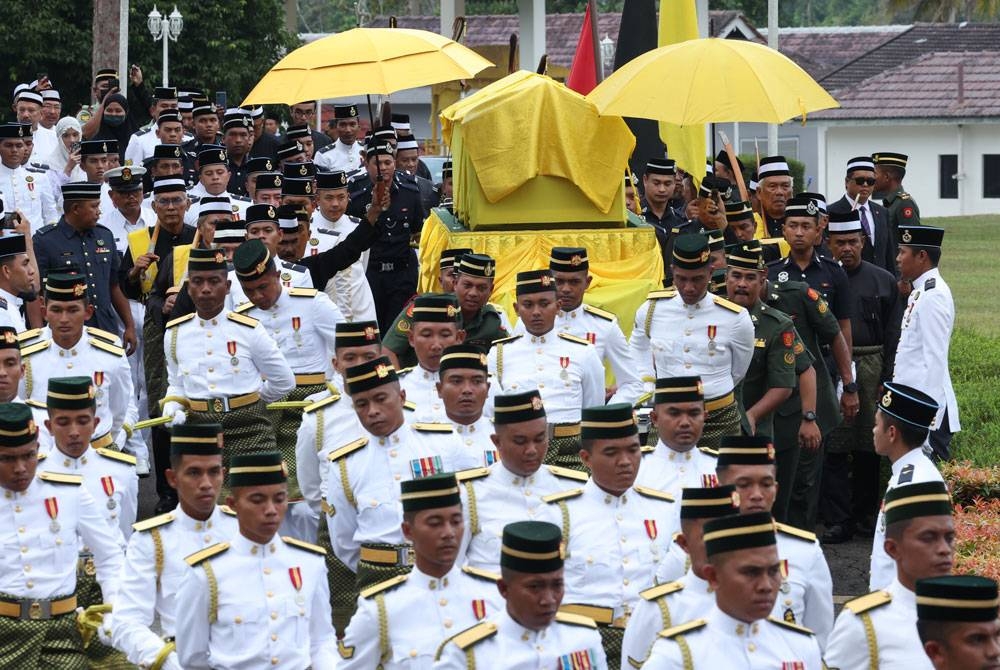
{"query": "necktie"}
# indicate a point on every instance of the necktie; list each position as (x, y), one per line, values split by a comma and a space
(864, 225)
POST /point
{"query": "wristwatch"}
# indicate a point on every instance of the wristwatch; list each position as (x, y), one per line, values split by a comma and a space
(851, 388)
(809, 416)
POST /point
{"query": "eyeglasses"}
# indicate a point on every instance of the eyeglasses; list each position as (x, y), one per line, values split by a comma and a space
(169, 202)
(864, 181)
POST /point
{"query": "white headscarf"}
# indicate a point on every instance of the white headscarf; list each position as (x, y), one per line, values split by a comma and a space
(60, 155)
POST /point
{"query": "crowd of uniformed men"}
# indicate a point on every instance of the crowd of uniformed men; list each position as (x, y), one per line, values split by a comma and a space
(354, 476)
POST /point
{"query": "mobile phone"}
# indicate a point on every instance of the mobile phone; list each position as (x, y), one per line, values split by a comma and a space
(115, 83)
(220, 99)
(10, 219)
(73, 148)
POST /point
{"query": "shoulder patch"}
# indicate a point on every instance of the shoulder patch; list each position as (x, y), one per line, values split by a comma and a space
(301, 292)
(598, 312)
(155, 522)
(930, 283)
(473, 473)
(59, 478)
(179, 320)
(868, 602)
(731, 306)
(104, 335)
(801, 630)
(481, 574)
(206, 553)
(796, 532)
(306, 546)
(433, 428)
(575, 620)
(104, 345)
(653, 493)
(242, 320)
(29, 334)
(117, 456)
(568, 473)
(348, 449)
(244, 307)
(708, 451)
(661, 590)
(662, 294)
(562, 495)
(476, 634)
(383, 586)
(906, 475)
(35, 347)
(683, 628)
(319, 404)
(574, 338)
(505, 340)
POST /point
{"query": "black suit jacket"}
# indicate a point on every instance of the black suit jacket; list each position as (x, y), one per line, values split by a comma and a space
(883, 253)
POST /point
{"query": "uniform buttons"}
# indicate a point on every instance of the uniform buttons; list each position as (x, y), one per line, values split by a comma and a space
(238, 620)
(274, 660)
(69, 366)
(267, 571)
(413, 653)
(17, 509)
(208, 353)
(270, 594)
(624, 561)
(625, 581)
(524, 636)
(527, 494)
(788, 601)
(274, 615)
(687, 365)
(208, 538)
(27, 567)
(211, 369)
(21, 529)
(211, 386)
(687, 349)
(253, 551)
(624, 540)
(448, 623)
(396, 477)
(751, 647)
(274, 638)
(198, 525)
(24, 550)
(687, 331)
(541, 386)
(443, 602)
(374, 503)
(30, 584)
(607, 500)
(618, 516)
(393, 453)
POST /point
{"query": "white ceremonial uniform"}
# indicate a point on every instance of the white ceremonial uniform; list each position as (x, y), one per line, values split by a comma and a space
(303, 323)
(494, 497)
(339, 156)
(348, 288)
(476, 437)
(913, 467)
(922, 352)
(717, 640)
(892, 614)
(566, 370)
(224, 356)
(292, 276)
(806, 593)
(142, 143)
(363, 483)
(110, 478)
(674, 565)
(385, 618)
(10, 311)
(28, 192)
(327, 419)
(661, 607)
(272, 608)
(614, 544)
(712, 338)
(94, 357)
(44, 142)
(568, 642)
(420, 385)
(154, 569)
(44, 565)
(672, 471)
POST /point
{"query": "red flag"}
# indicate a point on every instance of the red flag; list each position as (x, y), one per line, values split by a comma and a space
(583, 72)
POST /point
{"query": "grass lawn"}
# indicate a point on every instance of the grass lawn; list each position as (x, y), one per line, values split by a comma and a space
(967, 266)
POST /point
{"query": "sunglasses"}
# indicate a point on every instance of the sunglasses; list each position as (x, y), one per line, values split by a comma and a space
(864, 181)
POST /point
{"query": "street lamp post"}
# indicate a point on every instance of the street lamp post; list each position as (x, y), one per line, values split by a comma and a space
(165, 28)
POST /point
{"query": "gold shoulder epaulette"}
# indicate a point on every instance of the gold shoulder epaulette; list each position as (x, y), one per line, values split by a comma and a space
(383, 586)
(471, 473)
(319, 404)
(597, 311)
(868, 602)
(307, 546)
(731, 306)
(575, 620)
(796, 532)
(653, 493)
(42, 457)
(662, 293)
(410, 405)
(661, 590)
(709, 451)
(155, 522)
(244, 320)
(647, 449)
(60, 478)
(302, 292)
(179, 320)
(478, 633)
(568, 473)
(481, 574)
(562, 495)
(404, 371)
(347, 449)
(574, 338)
(903, 195)
(505, 340)
(29, 334)
(104, 335)
(104, 345)
(683, 628)
(206, 553)
(245, 307)
(791, 626)
(433, 427)
(35, 347)
(227, 510)
(117, 455)
(37, 404)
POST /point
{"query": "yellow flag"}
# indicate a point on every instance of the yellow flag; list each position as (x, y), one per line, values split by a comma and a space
(678, 23)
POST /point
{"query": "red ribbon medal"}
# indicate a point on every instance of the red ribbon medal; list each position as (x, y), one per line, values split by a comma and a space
(295, 574)
(52, 507)
(231, 347)
(98, 377)
(712, 330)
(296, 323)
(709, 481)
(651, 531)
(592, 338)
(479, 609)
(564, 361)
(108, 484)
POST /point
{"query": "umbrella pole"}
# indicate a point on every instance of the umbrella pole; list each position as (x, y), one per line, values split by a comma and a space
(371, 120)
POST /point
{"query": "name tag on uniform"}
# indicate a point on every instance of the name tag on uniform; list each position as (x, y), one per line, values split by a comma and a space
(103, 250)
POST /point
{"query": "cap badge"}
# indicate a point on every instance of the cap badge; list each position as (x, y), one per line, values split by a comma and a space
(79, 289)
(482, 359)
(220, 257)
(704, 256)
(271, 213)
(735, 497)
(887, 399)
(9, 337)
(575, 260)
(222, 155)
(304, 171)
(104, 147)
(536, 403)
(811, 208)
(343, 178)
(489, 269)
(382, 371)
(546, 280)
(907, 236)
(177, 152)
(353, 111)
(309, 187)
(277, 180)
(370, 333)
(20, 131)
(452, 310)
(126, 174)
(770, 451)
(701, 387)
(268, 165)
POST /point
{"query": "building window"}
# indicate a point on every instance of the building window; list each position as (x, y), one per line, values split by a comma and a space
(947, 169)
(991, 175)
(787, 146)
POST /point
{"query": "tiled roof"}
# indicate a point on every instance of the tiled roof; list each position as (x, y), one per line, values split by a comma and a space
(936, 85)
(821, 50)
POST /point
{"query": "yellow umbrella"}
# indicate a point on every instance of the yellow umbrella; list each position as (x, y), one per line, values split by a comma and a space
(711, 81)
(365, 60)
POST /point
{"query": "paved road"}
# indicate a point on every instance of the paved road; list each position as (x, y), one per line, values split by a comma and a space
(849, 566)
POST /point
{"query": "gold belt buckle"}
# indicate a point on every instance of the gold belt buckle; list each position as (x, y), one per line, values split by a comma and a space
(217, 405)
(89, 568)
(35, 611)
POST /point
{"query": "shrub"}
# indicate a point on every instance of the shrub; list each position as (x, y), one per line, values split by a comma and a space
(977, 538)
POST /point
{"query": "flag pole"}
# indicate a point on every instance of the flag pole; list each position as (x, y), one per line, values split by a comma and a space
(595, 42)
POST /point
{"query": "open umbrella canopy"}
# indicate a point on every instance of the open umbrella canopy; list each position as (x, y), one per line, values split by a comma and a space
(711, 80)
(365, 60)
